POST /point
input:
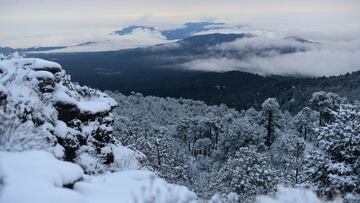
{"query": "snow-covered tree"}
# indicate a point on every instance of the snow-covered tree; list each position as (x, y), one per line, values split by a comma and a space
(305, 121)
(191, 143)
(224, 198)
(287, 155)
(336, 166)
(248, 173)
(323, 102)
(271, 118)
(242, 132)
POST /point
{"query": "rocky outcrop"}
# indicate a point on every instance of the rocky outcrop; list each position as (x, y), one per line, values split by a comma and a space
(40, 108)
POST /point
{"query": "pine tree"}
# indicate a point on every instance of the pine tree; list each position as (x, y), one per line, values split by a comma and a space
(248, 173)
(322, 102)
(337, 168)
(305, 122)
(271, 116)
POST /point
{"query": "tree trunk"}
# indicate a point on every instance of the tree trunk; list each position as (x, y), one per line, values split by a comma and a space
(269, 137)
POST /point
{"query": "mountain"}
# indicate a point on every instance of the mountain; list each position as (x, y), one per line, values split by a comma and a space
(110, 42)
(244, 90)
(86, 43)
(34, 49)
(185, 31)
(188, 29)
(211, 39)
(129, 29)
(189, 33)
(132, 69)
(158, 70)
(152, 73)
(6, 50)
(300, 39)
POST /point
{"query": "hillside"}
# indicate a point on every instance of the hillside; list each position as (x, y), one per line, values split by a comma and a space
(216, 149)
(72, 143)
(179, 69)
(56, 143)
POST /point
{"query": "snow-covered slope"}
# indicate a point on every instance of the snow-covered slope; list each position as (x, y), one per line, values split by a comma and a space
(37, 177)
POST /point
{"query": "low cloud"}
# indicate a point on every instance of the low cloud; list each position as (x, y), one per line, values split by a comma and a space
(261, 42)
(216, 64)
(137, 38)
(314, 59)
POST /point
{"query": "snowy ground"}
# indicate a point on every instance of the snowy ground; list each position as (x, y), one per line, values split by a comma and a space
(38, 177)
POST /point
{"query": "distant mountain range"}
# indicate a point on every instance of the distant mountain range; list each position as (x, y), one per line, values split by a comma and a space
(129, 29)
(189, 34)
(7, 50)
(187, 30)
(155, 71)
(137, 68)
(211, 39)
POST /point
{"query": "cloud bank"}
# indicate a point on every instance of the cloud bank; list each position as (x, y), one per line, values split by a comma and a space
(265, 58)
(137, 38)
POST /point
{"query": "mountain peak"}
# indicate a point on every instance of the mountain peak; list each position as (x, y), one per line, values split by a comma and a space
(131, 28)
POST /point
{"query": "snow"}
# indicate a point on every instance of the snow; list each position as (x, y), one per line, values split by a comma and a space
(106, 99)
(32, 120)
(35, 117)
(94, 107)
(132, 186)
(3, 89)
(125, 158)
(61, 130)
(88, 105)
(292, 195)
(62, 96)
(87, 162)
(59, 151)
(43, 75)
(33, 63)
(38, 177)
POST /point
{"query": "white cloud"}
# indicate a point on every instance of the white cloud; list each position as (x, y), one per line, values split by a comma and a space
(311, 63)
(259, 42)
(331, 58)
(137, 38)
(216, 64)
(21, 18)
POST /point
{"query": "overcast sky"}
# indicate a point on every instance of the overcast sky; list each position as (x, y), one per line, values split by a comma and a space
(52, 22)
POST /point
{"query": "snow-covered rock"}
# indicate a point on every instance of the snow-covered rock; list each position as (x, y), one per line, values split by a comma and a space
(40, 108)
